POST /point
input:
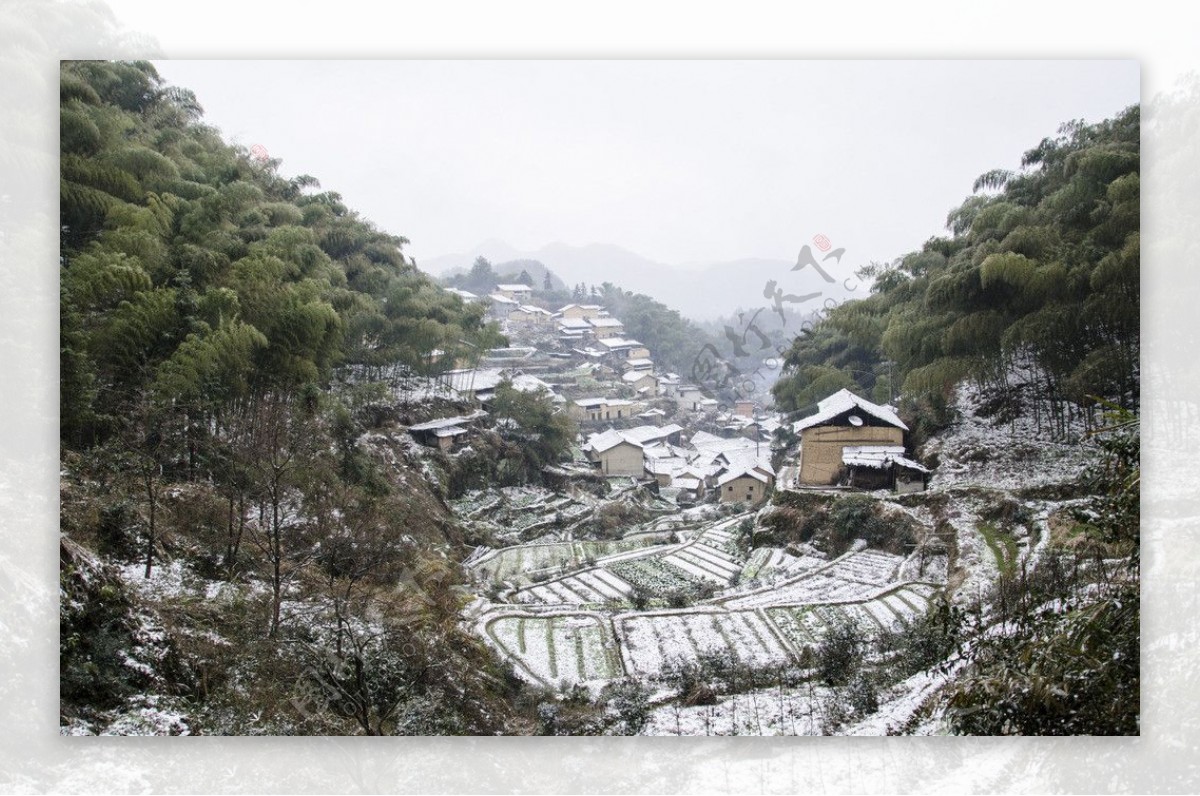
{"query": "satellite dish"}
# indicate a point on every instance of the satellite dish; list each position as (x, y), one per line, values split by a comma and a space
(855, 420)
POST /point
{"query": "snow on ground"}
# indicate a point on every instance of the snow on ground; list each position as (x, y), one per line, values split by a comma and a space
(979, 451)
(785, 710)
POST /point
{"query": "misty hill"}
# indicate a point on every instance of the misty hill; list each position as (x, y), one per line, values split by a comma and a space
(701, 292)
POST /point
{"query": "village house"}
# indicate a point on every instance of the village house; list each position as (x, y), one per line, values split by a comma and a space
(499, 306)
(744, 408)
(518, 292)
(640, 363)
(620, 349)
(668, 383)
(447, 433)
(646, 435)
(466, 295)
(612, 453)
(580, 311)
(690, 481)
(529, 315)
(687, 396)
(595, 410)
(479, 384)
(603, 328)
(751, 485)
(573, 332)
(641, 381)
(847, 421)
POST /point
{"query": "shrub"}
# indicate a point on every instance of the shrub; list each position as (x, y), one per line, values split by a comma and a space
(629, 701)
(840, 653)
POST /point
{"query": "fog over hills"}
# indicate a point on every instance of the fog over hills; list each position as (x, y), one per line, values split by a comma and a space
(701, 291)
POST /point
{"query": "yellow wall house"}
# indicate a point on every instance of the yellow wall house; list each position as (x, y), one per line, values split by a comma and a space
(614, 454)
(578, 311)
(842, 420)
(747, 486)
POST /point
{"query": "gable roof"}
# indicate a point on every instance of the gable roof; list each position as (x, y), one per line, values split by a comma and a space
(634, 376)
(599, 443)
(733, 475)
(844, 401)
(448, 422)
(613, 343)
(517, 288)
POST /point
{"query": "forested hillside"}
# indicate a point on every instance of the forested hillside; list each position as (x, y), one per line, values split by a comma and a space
(1034, 293)
(207, 302)
(1032, 303)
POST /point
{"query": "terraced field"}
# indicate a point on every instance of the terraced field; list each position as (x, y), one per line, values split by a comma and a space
(804, 625)
(589, 587)
(581, 647)
(855, 576)
(564, 628)
(519, 561)
(652, 643)
(575, 648)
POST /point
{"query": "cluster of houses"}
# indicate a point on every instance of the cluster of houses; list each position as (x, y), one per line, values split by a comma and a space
(638, 422)
(738, 469)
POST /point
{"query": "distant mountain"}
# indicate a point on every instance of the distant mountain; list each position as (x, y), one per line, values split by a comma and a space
(700, 292)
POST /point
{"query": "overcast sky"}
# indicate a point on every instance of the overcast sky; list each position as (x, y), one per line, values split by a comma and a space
(679, 161)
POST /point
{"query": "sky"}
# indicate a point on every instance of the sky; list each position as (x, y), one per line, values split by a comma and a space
(683, 162)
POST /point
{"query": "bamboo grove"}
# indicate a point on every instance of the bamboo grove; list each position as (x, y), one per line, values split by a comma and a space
(195, 279)
(1035, 291)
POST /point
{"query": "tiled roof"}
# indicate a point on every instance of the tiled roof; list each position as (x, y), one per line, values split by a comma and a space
(844, 401)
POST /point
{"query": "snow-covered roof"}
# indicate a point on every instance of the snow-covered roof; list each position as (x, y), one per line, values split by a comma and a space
(733, 475)
(487, 379)
(685, 482)
(703, 440)
(517, 288)
(667, 465)
(634, 376)
(745, 458)
(574, 324)
(465, 295)
(844, 401)
(640, 363)
(502, 299)
(589, 402)
(448, 422)
(533, 310)
(605, 323)
(645, 434)
(595, 307)
(449, 431)
(879, 457)
(653, 413)
(614, 343)
(607, 440)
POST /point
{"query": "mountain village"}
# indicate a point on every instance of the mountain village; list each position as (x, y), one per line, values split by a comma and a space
(689, 581)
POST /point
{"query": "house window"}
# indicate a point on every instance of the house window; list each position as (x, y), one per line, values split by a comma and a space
(730, 488)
